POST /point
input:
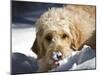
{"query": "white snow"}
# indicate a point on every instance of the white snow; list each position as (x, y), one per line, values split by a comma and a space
(22, 40)
(90, 64)
(85, 59)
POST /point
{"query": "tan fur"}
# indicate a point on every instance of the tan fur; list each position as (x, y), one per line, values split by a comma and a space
(63, 29)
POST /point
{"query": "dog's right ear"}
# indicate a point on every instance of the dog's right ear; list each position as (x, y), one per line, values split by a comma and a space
(35, 47)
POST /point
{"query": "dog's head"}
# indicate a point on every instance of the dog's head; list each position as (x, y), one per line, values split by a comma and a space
(56, 36)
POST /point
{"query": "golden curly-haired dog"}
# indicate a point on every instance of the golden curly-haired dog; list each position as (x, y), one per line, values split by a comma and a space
(62, 30)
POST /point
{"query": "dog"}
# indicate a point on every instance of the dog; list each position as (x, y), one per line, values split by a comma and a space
(60, 31)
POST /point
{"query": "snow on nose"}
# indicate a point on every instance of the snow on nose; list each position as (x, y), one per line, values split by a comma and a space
(57, 55)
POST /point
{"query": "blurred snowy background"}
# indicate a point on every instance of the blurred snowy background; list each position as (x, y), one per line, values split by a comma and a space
(24, 16)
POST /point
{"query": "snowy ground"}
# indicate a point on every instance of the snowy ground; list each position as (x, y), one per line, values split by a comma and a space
(22, 40)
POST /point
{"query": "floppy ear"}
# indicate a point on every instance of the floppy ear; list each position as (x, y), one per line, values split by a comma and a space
(35, 47)
(77, 38)
(38, 48)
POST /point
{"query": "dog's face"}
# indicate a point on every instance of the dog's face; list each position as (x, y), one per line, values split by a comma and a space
(55, 38)
(53, 44)
(56, 41)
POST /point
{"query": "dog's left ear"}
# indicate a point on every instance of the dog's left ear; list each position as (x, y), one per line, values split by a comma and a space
(77, 38)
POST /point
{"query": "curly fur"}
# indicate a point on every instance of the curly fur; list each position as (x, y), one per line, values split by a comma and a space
(63, 29)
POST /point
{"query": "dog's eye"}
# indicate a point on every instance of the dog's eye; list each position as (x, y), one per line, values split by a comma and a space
(64, 36)
(48, 38)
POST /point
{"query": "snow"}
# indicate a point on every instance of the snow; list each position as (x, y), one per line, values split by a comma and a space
(90, 64)
(85, 59)
(22, 40)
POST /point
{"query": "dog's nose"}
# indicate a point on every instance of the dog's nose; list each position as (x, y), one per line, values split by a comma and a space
(57, 55)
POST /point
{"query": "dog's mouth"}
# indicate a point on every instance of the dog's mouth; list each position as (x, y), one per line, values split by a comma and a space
(54, 63)
(56, 57)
